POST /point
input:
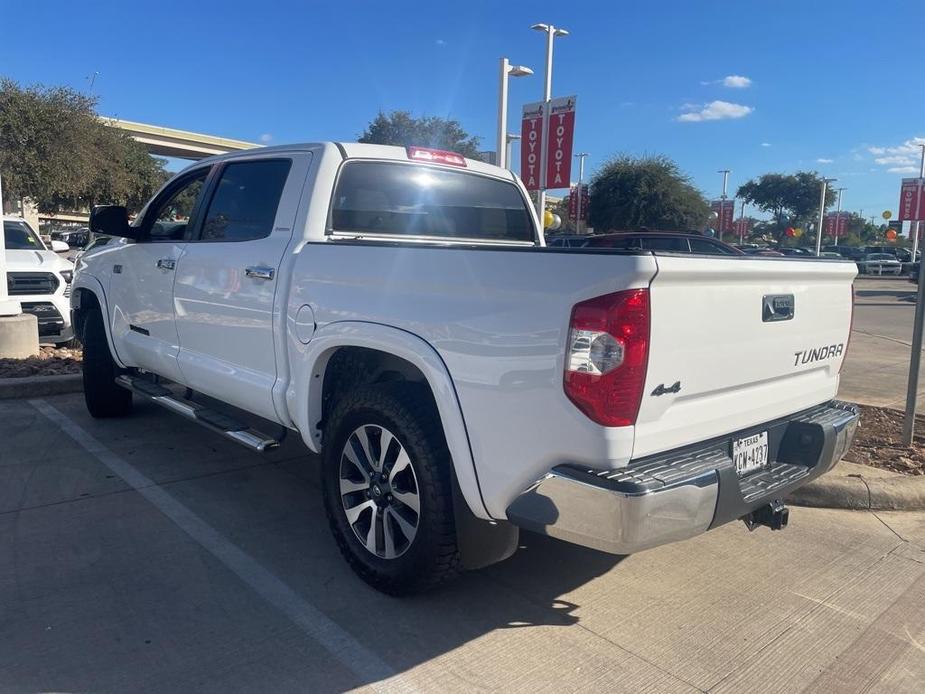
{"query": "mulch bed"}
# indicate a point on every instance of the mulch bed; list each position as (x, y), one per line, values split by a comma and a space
(878, 442)
(51, 361)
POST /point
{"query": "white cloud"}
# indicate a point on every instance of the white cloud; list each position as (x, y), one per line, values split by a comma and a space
(910, 146)
(440, 42)
(715, 110)
(765, 144)
(894, 159)
(823, 160)
(731, 81)
(736, 82)
(266, 137)
(903, 169)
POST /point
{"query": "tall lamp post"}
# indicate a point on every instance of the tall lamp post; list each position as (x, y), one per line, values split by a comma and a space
(581, 156)
(838, 213)
(511, 139)
(825, 186)
(8, 307)
(551, 33)
(722, 203)
(915, 228)
(507, 70)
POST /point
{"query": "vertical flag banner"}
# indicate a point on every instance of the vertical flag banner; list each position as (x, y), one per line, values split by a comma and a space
(531, 133)
(725, 211)
(559, 142)
(912, 200)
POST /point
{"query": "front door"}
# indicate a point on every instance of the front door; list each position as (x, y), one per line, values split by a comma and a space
(141, 287)
(228, 276)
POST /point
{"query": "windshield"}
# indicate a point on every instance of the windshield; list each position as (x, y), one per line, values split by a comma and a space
(19, 237)
(383, 198)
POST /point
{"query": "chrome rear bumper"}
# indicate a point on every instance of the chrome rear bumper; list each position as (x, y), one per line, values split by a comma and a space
(679, 494)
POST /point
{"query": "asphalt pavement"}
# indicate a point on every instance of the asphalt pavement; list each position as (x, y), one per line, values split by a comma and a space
(149, 555)
(876, 369)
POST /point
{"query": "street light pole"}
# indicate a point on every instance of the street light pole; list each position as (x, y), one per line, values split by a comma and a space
(581, 175)
(722, 203)
(507, 70)
(838, 213)
(742, 225)
(511, 138)
(825, 185)
(916, 227)
(8, 307)
(551, 33)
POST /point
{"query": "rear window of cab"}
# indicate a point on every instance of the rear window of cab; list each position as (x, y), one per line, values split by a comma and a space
(375, 198)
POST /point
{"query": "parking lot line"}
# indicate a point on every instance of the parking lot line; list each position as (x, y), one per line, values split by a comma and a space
(328, 634)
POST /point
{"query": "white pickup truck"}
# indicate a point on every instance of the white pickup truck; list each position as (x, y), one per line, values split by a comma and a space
(397, 309)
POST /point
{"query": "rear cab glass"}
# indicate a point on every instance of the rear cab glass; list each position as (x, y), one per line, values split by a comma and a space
(395, 199)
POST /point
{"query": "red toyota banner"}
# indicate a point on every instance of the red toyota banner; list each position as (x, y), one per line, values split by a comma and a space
(573, 202)
(559, 142)
(741, 226)
(836, 224)
(531, 134)
(725, 211)
(912, 200)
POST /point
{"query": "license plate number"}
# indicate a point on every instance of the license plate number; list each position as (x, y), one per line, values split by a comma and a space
(751, 453)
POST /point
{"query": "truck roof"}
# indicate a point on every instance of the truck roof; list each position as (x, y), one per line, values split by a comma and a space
(358, 150)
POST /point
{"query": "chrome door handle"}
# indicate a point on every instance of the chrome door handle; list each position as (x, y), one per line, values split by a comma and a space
(166, 264)
(260, 273)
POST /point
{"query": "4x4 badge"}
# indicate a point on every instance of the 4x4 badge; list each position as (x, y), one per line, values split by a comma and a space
(662, 390)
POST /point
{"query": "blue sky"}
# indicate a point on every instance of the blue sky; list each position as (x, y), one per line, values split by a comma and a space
(831, 86)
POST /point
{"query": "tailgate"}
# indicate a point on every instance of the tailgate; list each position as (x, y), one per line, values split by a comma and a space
(723, 354)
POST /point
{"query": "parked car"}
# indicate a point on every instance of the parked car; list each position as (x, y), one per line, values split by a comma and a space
(567, 240)
(879, 264)
(795, 251)
(75, 238)
(39, 278)
(396, 309)
(675, 242)
(763, 251)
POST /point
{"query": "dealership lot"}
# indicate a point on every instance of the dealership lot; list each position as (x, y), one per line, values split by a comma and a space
(146, 554)
(877, 366)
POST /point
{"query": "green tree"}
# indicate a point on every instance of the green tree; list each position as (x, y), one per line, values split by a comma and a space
(793, 199)
(55, 151)
(401, 128)
(650, 191)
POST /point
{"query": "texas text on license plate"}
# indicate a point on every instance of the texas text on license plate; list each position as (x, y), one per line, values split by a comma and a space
(750, 453)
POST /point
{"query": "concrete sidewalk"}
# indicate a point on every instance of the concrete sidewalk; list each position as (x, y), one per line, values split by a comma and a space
(154, 556)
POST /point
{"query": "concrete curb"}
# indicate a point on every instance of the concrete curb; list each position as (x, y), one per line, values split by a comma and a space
(36, 386)
(857, 492)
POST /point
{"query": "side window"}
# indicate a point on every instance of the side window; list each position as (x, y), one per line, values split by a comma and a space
(172, 216)
(708, 247)
(665, 243)
(244, 204)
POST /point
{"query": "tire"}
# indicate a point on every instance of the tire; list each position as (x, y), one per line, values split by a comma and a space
(406, 413)
(103, 397)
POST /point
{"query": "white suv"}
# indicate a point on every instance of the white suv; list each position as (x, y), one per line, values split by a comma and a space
(39, 279)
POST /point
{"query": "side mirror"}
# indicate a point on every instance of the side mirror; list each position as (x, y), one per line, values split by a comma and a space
(112, 220)
(60, 247)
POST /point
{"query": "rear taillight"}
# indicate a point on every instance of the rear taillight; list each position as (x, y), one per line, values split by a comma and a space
(608, 351)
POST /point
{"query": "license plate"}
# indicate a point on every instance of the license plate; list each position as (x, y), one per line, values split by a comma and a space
(751, 453)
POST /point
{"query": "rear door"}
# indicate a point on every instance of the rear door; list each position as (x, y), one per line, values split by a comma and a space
(229, 277)
(739, 341)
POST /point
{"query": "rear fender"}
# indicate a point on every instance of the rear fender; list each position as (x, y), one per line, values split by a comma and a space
(304, 394)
